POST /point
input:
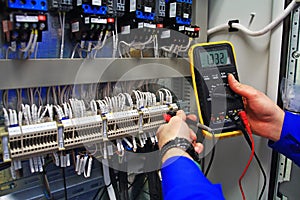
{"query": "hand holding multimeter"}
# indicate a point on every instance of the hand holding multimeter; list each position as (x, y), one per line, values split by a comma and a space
(210, 65)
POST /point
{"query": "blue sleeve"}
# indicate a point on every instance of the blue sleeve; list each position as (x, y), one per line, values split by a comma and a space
(289, 142)
(183, 179)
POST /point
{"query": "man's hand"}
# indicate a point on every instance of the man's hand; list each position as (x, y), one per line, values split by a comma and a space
(177, 127)
(264, 116)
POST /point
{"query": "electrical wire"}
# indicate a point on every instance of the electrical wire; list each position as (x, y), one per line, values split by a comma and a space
(65, 183)
(31, 37)
(103, 189)
(211, 157)
(258, 162)
(12, 48)
(62, 25)
(75, 50)
(242, 115)
(263, 31)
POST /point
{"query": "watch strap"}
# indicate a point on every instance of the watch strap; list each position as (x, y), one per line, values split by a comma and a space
(181, 143)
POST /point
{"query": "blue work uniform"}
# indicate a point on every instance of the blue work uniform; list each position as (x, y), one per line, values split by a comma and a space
(183, 179)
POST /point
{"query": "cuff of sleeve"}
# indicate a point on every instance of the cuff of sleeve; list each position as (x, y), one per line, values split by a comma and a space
(181, 172)
(289, 142)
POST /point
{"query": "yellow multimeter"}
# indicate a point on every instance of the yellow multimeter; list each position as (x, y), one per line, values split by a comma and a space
(210, 65)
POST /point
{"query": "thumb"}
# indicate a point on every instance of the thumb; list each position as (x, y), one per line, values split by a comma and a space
(241, 89)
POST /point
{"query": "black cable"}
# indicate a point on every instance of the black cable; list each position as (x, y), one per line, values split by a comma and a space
(212, 156)
(65, 184)
(98, 191)
(5, 165)
(237, 120)
(210, 161)
(123, 186)
(104, 192)
(141, 189)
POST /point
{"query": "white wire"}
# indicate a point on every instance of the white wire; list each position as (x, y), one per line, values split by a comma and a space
(36, 50)
(29, 42)
(100, 45)
(126, 44)
(34, 43)
(263, 31)
(107, 181)
(62, 25)
(12, 48)
(74, 50)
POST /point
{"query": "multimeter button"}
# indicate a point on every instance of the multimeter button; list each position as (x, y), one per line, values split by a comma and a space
(215, 77)
(206, 78)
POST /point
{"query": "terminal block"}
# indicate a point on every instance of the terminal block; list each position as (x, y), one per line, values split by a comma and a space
(60, 5)
(79, 131)
(93, 7)
(34, 139)
(89, 27)
(180, 12)
(153, 117)
(19, 27)
(161, 8)
(122, 124)
(33, 5)
(192, 31)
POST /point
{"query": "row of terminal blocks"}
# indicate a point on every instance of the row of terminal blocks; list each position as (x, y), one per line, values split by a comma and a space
(44, 138)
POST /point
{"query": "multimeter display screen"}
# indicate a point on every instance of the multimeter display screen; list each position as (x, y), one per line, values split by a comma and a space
(214, 58)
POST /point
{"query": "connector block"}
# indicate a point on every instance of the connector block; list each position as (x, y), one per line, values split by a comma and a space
(162, 8)
(122, 124)
(82, 130)
(183, 21)
(95, 10)
(153, 117)
(29, 140)
(145, 16)
(60, 5)
(37, 5)
(185, 1)
(121, 5)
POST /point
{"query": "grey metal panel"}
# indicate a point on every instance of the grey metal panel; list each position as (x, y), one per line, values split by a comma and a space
(49, 72)
(200, 17)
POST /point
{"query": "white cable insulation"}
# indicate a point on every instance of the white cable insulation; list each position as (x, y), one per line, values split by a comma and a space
(107, 181)
(263, 31)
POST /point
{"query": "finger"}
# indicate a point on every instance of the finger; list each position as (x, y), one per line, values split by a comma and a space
(193, 135)
(198, 147)
(181, 114)
(241, 89)
(192, 117)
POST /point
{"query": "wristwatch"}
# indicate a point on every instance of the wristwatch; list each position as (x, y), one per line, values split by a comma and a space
(181, 143)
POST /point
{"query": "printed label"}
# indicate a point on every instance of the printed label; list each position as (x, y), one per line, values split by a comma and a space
(132, 6)
(98, 21)
(186, 15)
(172, 10)
(13, 131)
(26, 18)
(75, 27)
(96, 2)
(147, 9)
(39, 127)
(165, 34)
